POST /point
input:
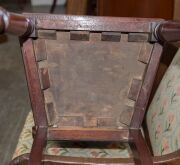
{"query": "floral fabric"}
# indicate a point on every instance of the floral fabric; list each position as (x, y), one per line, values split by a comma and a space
(163, 117)
(25, 140)
(162, 120)
(74, 149)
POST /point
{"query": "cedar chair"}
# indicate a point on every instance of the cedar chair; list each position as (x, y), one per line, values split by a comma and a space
(89, 81)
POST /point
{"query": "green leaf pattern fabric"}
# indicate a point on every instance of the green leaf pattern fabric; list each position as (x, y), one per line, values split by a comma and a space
(163, 117)
(74, 149)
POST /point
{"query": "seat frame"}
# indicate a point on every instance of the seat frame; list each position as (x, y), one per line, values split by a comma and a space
(26, 27)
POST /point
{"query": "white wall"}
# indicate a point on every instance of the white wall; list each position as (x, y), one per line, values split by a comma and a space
(46, 2)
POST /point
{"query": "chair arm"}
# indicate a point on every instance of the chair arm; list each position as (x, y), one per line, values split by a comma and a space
(168, 31)
(15, 23)
(173, 158)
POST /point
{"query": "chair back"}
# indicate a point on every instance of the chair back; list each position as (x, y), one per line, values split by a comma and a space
(163, 116)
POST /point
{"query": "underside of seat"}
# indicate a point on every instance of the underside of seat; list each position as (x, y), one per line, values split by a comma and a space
(93, 83)
(90, 83)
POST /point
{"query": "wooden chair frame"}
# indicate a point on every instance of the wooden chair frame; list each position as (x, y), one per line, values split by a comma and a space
(26, 26)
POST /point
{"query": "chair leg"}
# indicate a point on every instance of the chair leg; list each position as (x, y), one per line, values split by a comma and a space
(23, 159)
(53, 6)
(142, 155)
(38, 146)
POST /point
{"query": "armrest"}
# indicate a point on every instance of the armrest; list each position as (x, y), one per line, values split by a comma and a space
(168, 31)
(15, 23)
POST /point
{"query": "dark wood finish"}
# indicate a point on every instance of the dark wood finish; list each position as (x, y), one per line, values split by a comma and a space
(136, 8)
(53, 6)
(145, 53)
(170, 159)
(38, 146)
(44, 78)
(169, 31)
(110, 36)
(89, 135)
(90, 23)
(141, 104)
(176, 10)
(60, 48)
(36, 96)
(140, 148)
(79, 35)
(36, 102)
(40, 50)
(138, 37)
(135, 88)
(14, 23)
(47, 34)
(78, 7)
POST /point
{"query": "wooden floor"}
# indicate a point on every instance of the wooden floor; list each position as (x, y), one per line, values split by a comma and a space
(14, 99)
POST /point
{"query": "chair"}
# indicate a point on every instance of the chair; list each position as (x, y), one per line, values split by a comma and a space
(90, 80)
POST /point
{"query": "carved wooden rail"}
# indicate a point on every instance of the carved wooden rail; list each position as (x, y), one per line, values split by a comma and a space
(165, 31)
